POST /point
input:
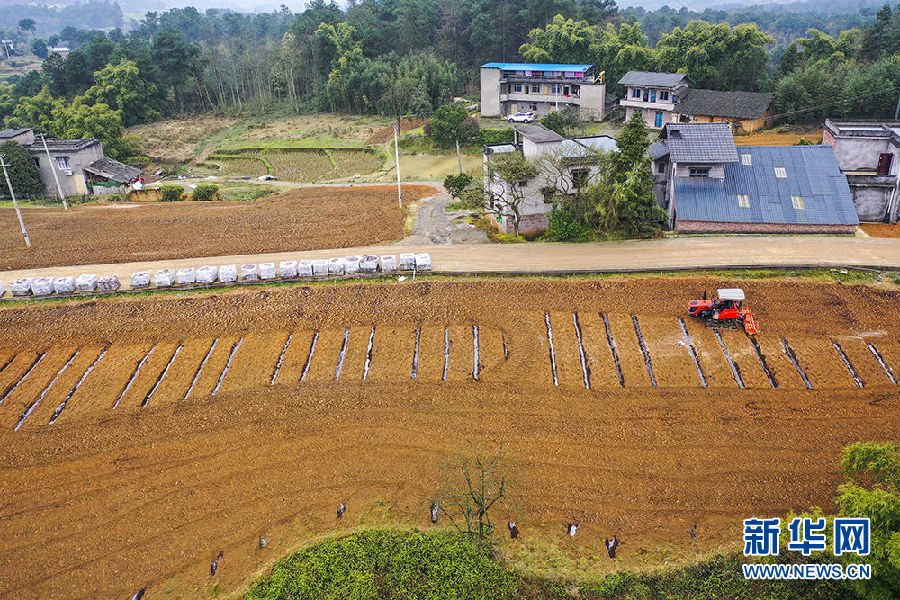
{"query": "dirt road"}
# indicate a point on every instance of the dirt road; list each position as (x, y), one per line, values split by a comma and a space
(671, 253)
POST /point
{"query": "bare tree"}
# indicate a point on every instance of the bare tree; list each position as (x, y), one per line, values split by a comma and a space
(509, 174)
(474, 486)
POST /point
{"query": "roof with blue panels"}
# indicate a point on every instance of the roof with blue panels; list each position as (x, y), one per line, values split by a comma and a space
(812, 174)
(534, 67)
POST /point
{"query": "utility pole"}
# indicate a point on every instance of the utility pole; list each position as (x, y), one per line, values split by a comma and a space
(15, 203)
(53, 169)
(397, 152)
(897, 110)
(458, 159)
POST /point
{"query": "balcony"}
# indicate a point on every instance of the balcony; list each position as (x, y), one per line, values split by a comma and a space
(666, 105)
(552, 98)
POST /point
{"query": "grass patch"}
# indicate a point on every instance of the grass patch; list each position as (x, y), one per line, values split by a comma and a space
(390, 564)
(386, 564)
(246, 192)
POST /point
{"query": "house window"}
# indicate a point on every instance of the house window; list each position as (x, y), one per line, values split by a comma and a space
(780, 173)
(661, 167)
(884, 164)
(549, 193)
(798, 202)
(517, 87)
(743, 201)
(698, 172)
(747, 160)
(62, 162)
(652, 95)
(636, 93)
(664, 95)
(579, 178)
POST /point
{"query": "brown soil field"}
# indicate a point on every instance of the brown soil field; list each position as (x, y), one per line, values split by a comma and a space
(105, 501)
(889, 230)
(774, 138)
(304, 219)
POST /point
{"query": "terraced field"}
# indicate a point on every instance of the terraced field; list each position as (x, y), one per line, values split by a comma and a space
(141, 436)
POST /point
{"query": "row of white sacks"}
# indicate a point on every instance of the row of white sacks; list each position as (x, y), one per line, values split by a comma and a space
(163, 278)
(45, 286)
(287, 269)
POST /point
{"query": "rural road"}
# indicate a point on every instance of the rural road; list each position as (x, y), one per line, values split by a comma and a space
(633, 255)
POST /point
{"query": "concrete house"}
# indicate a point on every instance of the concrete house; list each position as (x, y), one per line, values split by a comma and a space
(564, 166)
(653, 96)
(79, 165)
(868, 153)
(746, 111)
(508, 88)
(712, 186)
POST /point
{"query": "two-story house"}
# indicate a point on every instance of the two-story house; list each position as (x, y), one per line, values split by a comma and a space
(653, 95)
(712, 186)
(868, 153)
(508, 88)
(564, 167)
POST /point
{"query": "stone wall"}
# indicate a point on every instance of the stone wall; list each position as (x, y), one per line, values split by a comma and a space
(720, 227)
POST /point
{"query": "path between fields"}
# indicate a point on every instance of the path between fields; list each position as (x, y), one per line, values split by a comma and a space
(434, 225)
(665, 254)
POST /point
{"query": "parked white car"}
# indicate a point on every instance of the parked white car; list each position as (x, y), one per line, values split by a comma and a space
(521, 117)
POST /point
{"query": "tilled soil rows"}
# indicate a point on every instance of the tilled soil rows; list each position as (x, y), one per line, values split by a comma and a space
(202, 452)
(303, 219)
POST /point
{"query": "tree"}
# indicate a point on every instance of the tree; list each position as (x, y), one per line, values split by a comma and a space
(561, 121)
(24, 174)
(79, 119)
(121, 87)
(451, 123)
(561, 41)
(632, 144)
(508, 189)
(637, 211)
(474, 486)
(27, 25)
(39, 48)
(456, 184)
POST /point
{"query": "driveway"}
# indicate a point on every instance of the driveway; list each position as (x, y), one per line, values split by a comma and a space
(434, 225)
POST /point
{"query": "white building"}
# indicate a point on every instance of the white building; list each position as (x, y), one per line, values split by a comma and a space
(653, 96)
(564, 167)
(508, 88)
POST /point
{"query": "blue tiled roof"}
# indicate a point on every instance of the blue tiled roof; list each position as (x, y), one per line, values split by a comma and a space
(534, 67)
(812, 173)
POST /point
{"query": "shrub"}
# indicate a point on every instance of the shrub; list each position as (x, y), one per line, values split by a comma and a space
(495, 136)
(456, 184)
(390, 564)
(171, 193)
(561, 121)
(565, 228)
(205, 192)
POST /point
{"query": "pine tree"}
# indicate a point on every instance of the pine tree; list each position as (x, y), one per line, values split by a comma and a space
(636, 209)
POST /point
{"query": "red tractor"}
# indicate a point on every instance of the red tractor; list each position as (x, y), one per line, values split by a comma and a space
(726, 311)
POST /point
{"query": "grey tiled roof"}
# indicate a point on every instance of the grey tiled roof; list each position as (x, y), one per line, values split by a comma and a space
(812, 173)
(700, 142)
(658, 149)
(737, 105)
(55, 145)
(6, 134)
(113, 169)
(639, 78)
(538, 133)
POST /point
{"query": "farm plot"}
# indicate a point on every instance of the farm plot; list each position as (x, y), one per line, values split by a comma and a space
(304, 219)
(218, 437)
(240, 165)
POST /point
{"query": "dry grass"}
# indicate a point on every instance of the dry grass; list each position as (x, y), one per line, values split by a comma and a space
(253, 167)
(882, 230)
(774, 138)
(178, 140)
(346, 127)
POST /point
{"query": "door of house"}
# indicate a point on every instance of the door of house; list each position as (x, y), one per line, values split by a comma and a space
(884, 164)
(652, 95)
(659, 118)
(565, 90)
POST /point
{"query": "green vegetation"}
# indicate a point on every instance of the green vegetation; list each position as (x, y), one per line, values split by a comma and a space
(564, 227)
(452, 124)
(562, 121)
(205, 192)
(456, 184)
(171, 193)
(389, 564)
(24, 174)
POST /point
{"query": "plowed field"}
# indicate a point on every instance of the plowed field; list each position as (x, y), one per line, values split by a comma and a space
(170, 440)
(303, 219)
